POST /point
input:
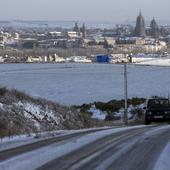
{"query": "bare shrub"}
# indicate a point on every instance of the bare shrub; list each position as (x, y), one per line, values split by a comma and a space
(3, 90)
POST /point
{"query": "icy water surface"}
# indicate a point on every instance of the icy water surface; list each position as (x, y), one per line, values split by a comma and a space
(84, 83)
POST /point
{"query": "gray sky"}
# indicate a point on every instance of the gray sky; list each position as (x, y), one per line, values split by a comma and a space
(84, 10)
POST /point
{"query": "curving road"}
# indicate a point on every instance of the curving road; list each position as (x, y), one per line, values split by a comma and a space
(9, 153)
(131, 148)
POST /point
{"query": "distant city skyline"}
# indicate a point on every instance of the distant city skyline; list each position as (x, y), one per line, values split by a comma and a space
(84, 10)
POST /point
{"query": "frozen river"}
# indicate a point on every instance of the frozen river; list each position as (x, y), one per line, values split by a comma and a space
(85, 83)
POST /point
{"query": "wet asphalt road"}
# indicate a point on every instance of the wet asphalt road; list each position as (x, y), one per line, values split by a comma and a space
(129, 149)
(136, 149)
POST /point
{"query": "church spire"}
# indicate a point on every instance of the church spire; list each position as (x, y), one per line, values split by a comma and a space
(154, 31)
(76, 27)
(83, 29)
(140, 26)
(140, 13)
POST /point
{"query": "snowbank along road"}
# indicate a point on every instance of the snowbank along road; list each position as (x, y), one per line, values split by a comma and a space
(127, 148)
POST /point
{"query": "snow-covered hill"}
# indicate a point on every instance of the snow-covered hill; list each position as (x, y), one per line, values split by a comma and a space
(20, 114)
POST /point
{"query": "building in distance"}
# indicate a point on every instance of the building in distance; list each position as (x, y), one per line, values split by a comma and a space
(140, 30)
(154, 29)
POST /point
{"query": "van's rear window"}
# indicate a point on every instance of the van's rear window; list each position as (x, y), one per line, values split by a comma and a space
(158, 103)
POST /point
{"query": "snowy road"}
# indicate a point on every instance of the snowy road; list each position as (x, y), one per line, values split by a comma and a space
(127, 148)
(8, 153)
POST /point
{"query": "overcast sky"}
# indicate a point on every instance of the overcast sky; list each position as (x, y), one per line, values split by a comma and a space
(84, 10)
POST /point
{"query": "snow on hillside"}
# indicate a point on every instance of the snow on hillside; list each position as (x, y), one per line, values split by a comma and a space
(22, 114)
(101, 115)
(37, 114)
(97, 114)
(34, 113)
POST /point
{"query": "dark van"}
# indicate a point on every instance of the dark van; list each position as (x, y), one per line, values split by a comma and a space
(157, 110)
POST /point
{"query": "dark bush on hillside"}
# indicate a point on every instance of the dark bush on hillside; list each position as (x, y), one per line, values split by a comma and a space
(138, 113)
(112, 106)
(136, 101)
(85, 107)
(20, 95)
(112, 117)
(116, 105)
(14, 124)
(3, 90)
(3, 128)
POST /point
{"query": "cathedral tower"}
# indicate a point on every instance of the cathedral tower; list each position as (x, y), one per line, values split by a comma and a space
(155, 33)
(140, 26)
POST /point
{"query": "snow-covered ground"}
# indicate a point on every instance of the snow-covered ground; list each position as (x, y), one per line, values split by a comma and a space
(15, 141)
(97, 114)
(156, 62)
(101, 115)
(163, 162)
(37, 114)
(84, 83)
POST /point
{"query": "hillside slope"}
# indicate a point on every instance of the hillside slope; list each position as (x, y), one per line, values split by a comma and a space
(20, 114)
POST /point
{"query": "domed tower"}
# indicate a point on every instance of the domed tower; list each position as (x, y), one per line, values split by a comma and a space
(140, 26)
(155, 33)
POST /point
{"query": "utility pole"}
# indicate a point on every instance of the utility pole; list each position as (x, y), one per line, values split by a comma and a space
(126, 95)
